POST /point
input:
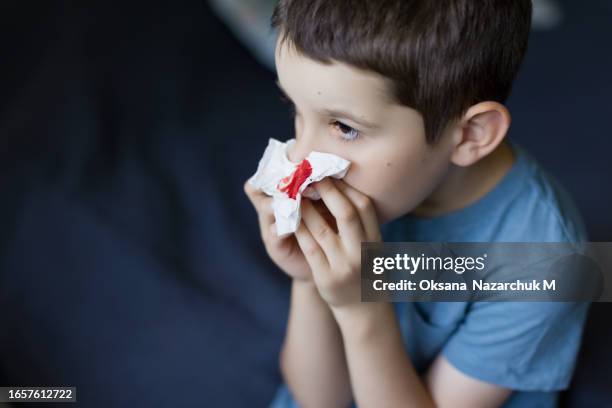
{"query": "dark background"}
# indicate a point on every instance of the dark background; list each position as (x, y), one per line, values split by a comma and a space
(130, 260)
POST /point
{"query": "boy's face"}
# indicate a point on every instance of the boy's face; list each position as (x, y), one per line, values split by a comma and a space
(347, 112)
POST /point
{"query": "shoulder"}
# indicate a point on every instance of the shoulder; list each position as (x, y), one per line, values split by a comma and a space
(541, 209)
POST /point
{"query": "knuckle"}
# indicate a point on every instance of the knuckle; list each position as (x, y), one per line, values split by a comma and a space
(347, 213)
(310, 250)
(363, 203)
(323, 231)
(247, 188)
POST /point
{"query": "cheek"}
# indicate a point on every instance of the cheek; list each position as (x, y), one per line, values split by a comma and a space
(381, 180)
(396, 186)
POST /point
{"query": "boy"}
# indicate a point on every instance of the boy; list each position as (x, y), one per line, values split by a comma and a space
(412, 93)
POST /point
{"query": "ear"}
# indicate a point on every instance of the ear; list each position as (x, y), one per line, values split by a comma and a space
(479, 132)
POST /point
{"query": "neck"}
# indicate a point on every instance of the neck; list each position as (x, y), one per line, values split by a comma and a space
(463, 186)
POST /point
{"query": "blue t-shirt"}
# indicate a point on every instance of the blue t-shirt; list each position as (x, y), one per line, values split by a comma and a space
(529, 347)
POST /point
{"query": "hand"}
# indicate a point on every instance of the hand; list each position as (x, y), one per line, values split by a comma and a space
(284, 251)
(334, 255)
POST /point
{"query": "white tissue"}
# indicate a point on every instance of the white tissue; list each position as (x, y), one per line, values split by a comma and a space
(275, 172)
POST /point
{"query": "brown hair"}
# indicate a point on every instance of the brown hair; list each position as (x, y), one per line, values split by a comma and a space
(440, 57)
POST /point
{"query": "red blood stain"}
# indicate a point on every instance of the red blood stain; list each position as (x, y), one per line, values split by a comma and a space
(291, 184)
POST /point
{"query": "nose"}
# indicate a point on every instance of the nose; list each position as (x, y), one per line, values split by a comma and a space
(300, 148)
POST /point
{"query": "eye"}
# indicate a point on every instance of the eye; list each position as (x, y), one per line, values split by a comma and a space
(347, 133)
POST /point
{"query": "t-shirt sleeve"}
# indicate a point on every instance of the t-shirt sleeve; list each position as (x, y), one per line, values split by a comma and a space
(528, 346)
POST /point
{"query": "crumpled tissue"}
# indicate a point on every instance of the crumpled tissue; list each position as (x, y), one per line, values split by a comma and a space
(286, 181)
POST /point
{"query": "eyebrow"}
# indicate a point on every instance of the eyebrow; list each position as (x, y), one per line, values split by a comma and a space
(335, 112)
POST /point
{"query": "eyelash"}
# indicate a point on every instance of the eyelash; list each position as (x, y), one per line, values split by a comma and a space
(339, 124)
(335, 123)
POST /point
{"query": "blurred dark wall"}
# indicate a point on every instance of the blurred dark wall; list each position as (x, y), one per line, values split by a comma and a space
(130, 260)
(561, 107)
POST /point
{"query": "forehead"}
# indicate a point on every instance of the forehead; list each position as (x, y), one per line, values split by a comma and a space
(345, 84)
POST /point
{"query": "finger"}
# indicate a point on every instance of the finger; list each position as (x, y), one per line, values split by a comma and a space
(248, 189)
(321, 231)
(265, 218)
(365, 208)
(254, 194)
(347, 217)
(272, 240)
(266, 211)
(322, 209)
(267, 226)
(262, 204)
(311, 249)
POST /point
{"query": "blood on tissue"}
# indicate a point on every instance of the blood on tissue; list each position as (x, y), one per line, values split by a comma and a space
(292, 183)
